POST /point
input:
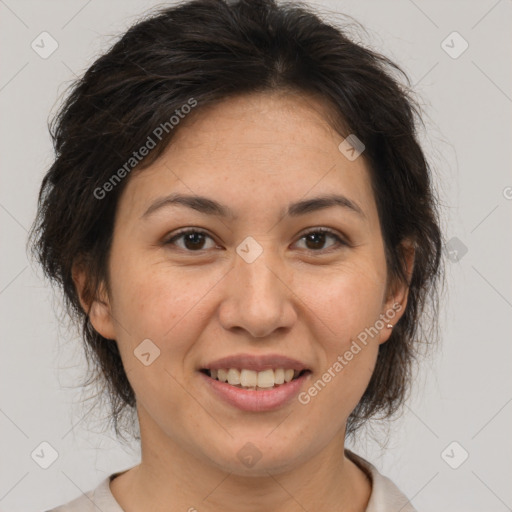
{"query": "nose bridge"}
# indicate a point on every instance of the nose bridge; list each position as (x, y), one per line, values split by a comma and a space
(257, 268)
(259, 300)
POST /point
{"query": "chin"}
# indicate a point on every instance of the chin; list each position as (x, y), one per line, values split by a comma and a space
(258, 456)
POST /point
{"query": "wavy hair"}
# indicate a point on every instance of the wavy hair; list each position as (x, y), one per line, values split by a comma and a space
(211, 50)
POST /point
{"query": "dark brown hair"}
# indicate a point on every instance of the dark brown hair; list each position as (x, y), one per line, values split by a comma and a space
(208, 51)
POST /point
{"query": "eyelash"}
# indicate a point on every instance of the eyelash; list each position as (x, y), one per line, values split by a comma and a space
(333, 234)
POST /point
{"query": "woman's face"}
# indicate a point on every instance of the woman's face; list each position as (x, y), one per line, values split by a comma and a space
(252, 286)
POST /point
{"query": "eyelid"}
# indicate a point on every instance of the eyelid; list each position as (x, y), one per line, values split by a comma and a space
(340, 239)
(329, 231)
(191, 229)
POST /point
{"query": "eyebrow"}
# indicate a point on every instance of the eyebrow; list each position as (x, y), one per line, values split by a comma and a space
(211, 207)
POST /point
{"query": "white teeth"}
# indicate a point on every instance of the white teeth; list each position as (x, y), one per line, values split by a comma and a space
(248, 378)
(279, 376)
(233, 376)
(265, 379)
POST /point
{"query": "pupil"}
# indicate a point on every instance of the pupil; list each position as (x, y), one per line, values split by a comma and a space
(196, 239)
(320, 239)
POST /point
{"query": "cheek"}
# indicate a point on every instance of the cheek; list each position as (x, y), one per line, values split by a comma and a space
(153, 302)
(345, 302)
(159, 302)
(343, 309)
(342, 317)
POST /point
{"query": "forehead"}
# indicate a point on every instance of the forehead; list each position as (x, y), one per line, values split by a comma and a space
(262, 123)
(263, 146)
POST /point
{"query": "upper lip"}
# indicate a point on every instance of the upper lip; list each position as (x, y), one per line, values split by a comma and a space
(256, 363)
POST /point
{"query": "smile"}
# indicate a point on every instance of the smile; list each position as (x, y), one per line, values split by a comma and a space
(253, 380)
(253, 397)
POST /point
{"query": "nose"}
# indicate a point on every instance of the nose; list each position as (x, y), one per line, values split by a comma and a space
(258, 298)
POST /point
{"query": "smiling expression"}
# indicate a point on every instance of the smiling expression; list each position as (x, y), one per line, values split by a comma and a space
(251, 237)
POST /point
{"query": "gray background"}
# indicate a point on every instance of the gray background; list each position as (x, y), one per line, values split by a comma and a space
(462, 394)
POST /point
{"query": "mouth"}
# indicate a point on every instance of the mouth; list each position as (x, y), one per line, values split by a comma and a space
(247, 379)
(255, 382)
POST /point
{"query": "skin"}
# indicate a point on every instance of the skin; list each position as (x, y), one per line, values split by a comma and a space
(255, 154)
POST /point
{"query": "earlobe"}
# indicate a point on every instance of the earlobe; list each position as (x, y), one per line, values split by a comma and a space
(101, 319)
(96, 305)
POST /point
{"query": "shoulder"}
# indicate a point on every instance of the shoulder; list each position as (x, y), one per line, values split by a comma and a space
(100, 498)
(385, 496)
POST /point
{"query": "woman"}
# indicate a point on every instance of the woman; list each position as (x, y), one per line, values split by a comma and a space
(241, 215)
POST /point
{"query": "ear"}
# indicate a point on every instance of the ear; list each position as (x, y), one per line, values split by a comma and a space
(397, 293)
(97, 307)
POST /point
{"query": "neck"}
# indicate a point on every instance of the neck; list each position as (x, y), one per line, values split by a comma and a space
(171, 478)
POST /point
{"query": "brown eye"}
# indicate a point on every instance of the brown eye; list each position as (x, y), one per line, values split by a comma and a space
(192, 240)
(316, 239)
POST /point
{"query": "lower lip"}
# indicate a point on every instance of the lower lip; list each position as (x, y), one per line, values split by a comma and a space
(256, 400)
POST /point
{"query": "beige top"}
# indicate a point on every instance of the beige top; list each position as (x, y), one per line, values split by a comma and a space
(385, 496)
